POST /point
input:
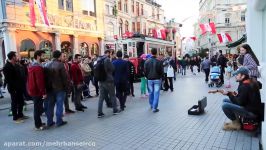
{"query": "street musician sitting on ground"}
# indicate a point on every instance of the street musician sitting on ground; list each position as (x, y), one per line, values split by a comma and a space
(246, 102)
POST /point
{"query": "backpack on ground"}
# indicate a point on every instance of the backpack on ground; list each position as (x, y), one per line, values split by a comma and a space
(99, 70)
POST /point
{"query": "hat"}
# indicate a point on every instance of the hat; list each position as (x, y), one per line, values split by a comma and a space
(242, 70)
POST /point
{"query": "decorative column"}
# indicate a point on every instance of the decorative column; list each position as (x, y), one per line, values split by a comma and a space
(57, 41)
(10, 40)
(76, 44)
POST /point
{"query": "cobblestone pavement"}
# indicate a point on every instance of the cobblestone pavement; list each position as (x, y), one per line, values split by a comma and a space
(137, 127)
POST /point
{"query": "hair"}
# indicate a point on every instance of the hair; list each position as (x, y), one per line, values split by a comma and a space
(220, 51)
(207, 57)
(76, 56)
(107, 51)
(56, 54)
(154, 51)
(229, 63)
(70, 58)
(126, 56)
(249, 51)
(38, 53)
(119, 54)
(11, 54)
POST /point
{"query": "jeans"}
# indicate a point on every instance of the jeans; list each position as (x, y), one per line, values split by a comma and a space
(17, 103)
(38, 110)
(121, 93)
(183, 70)
(207, 73)
(55, 98)
(107, 88)
(1, 93)
(154, 93)
(86, 90)
(232, 111)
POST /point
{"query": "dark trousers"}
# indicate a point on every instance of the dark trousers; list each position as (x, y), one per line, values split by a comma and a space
(131, 86)
(77, 96)
(96, 84)
(207, 73)
(38, 110)
(121, 93)
(107, 88)
(222, 75)
(17, 103)
(166, 84)
(66, 102)
(170, 79)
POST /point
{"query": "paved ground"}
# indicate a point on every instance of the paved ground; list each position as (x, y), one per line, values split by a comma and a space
(137, 127)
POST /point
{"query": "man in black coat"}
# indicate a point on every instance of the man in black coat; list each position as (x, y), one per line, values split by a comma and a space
(221, 61)
(14, 81)
(131, 75)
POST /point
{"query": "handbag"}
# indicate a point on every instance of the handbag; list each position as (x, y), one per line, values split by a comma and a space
(170, 71)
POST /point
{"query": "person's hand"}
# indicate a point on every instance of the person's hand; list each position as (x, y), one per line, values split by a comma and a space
(44, 96)
(225, 92)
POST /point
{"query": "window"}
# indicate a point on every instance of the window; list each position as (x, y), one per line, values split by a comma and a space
(142, 12)
(61, 4)
(132, 6)
(227, 20)
(243, 17)
(69, 5)
(120, 27)
(107, 11)
(88, 7)
(138, 27)
(153, 13)
(126, 26)
(137, 7)
(125, 6)
(133, 27)
(110, 30)
(119, 5)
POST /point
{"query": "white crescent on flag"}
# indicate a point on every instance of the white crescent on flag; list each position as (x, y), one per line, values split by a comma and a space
(43, 13)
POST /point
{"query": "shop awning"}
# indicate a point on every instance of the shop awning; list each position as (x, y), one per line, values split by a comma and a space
(238, 42)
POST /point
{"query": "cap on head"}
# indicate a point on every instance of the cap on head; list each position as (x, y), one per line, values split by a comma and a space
(241, 70)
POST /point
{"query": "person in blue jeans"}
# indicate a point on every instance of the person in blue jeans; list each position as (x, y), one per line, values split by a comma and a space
(153, 69)
(246, 102)
(56, 88)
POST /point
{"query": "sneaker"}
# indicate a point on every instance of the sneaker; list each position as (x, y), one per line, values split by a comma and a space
(10, 113)
(234, 125)
(101, 115)
(84, 107)
(156, 110)
(80, 109)
(89, 96)
(2, 96)
(25, 117)
(117, 112)
(133, 95)
(69, 111)
(19, 121)
(61, 124)
(41, 128)
(51, 125)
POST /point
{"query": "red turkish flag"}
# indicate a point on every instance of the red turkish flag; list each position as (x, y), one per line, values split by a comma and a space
(32, 13)
(208, 27)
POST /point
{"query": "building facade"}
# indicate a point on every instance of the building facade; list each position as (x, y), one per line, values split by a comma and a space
(76, 26)
(228, 16)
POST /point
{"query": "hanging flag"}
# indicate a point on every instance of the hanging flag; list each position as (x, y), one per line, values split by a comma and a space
(224, 38)
(154, 33)
(32, 13)
(208, 27)
(163, 34)
(159, 34)
(193, 38)
(43, 12)
(183, 38)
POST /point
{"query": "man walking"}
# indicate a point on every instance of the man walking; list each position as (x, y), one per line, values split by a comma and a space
(77, 79)
(56, 87)
(107, 84)
(14, 81)
(36, 87)
(154, 72)
(121, 79)
(131, 75)
(221, 61)
(205, 65)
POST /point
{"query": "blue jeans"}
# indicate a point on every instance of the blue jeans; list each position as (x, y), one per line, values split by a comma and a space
(55, 98)
(154, 87)
(232, 111)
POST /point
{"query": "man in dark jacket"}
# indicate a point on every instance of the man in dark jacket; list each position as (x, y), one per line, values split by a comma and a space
(121, 79)
(36, 87)
(56, 88)
(154, 72)
(245, 103)
(107, 86)
(131, 75)
(221, 61)
(14, 81)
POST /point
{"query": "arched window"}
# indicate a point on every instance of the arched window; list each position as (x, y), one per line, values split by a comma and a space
(66, 48)
(119, 5)
(84, 49)
(47, 47)
(126, 6)
(126, 26)
(94, 49)
(110, 30)
(120, 27)
(27, 48)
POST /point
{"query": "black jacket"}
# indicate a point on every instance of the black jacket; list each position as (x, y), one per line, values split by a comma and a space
(153, 69)
(248, 97)
(13, 77)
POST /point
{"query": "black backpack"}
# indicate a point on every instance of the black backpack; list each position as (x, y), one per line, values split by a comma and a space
(98, 70)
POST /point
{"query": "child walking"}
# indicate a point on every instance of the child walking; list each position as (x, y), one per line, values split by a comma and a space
(228, 72)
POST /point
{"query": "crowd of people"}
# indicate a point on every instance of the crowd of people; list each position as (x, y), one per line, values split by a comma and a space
(52, 83)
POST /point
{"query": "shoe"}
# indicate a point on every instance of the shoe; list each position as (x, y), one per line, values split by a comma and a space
(156, 110)
(101, 115)
(83, 107)
(41, 128)
(133, 95)
(117, 112)
(61, 124)
(10, 113)
(79, 109)
(1, 96)
(69, 111)
(122, 109)
(51, 125)
(234, 125)
(19, 121)
(24, 117)
(89, 96)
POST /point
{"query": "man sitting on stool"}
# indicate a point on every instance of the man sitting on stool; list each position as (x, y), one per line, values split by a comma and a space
(245, 103)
